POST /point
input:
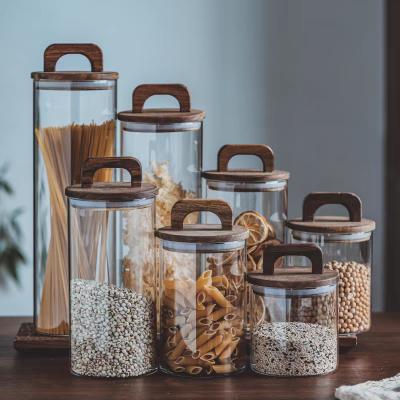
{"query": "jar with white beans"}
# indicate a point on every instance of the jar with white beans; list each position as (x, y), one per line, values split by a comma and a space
(346, 245)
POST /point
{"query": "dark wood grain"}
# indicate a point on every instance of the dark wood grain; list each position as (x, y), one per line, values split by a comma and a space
(181, 209)
(143, 92)
(112, 191)
(57, 50)
(92, 165)
(313, 201)
(309, 250)
(42, 377)
(262, 151)
(28, 340)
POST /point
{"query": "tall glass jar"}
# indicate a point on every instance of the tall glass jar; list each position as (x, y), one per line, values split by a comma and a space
(112, 273)
(74, 118)
(202, 293)
(346, 245)
(293, 315)
(258, 198)
(169, 142)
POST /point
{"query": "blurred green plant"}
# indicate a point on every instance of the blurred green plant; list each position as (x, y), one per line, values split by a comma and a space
(11, 255)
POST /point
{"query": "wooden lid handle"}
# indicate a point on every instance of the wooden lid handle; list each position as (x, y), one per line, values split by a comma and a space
(91, 165)
(143, 92)
(315, 200)
(55, 51)
(309, 250)
(262, 151)
(183, 208)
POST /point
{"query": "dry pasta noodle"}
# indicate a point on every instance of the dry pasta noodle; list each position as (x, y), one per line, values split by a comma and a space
(207, 326)
(193, 369)
(63, 150)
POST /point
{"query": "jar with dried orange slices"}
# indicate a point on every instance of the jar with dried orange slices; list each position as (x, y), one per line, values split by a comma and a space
(258, 197)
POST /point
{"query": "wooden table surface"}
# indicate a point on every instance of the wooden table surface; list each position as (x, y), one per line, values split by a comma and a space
(30, 376)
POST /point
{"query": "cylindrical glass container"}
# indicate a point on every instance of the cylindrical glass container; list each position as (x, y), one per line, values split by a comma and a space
(258, 198)
(346, 245)
(293, 315)
(169, 142)
(112, 273)
(74, 118)
(202, 292)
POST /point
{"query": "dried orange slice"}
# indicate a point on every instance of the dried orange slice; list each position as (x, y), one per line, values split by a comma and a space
(257, 225)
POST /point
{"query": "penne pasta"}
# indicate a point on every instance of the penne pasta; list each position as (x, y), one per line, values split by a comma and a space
(220, 280)
(229, 349)
(220, 313)
(229, 317)
(205, 312)
(203, 322)
(217, 296)
(210, 345)
(204, 337)
(226, 342)
(201, 297)
(204, 280)
(193, 369)
(187, 361)
(210, 356)
(175, 297)
(177, 351)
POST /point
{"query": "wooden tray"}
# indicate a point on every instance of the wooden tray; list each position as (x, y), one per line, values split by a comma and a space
(27, 340)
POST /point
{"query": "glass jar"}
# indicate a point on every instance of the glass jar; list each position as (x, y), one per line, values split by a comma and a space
(293, 315)
(258, 198)
(112, 273)
(159, 135)
(74, 118)
(346, 245)
(202, 292)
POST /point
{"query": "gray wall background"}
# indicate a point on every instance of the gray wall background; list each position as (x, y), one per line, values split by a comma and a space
(305, 76)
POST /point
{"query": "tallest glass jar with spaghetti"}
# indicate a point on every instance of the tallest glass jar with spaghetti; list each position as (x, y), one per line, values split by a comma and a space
(74, 119)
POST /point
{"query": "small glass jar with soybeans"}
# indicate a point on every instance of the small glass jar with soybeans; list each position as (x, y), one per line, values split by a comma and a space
(293, 315)
(112, 273)
(346, 244)
(202, 292)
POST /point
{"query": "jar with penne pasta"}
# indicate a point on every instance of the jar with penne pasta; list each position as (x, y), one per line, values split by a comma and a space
(293, 315)
(74, 119)
(112, 273)
(203, 301)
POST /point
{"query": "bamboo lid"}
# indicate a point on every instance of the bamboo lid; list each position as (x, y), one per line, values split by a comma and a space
(262, 151)
(293, 277)
(111, 191)
(161, 115)
(332, 224)
(91, 51)
(202, 233)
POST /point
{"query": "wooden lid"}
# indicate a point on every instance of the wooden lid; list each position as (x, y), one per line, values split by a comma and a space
(293, 277)
(202, 233)
(161, 115)
(332, 224)
(91, 51)
(261, 151)
(111, 191)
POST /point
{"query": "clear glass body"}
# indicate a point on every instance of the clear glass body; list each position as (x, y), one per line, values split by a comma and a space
(202, 308)
(294, 331)
(171, 157)
(260, 207)
(112, 288)
(72, 121)
(351, 256)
